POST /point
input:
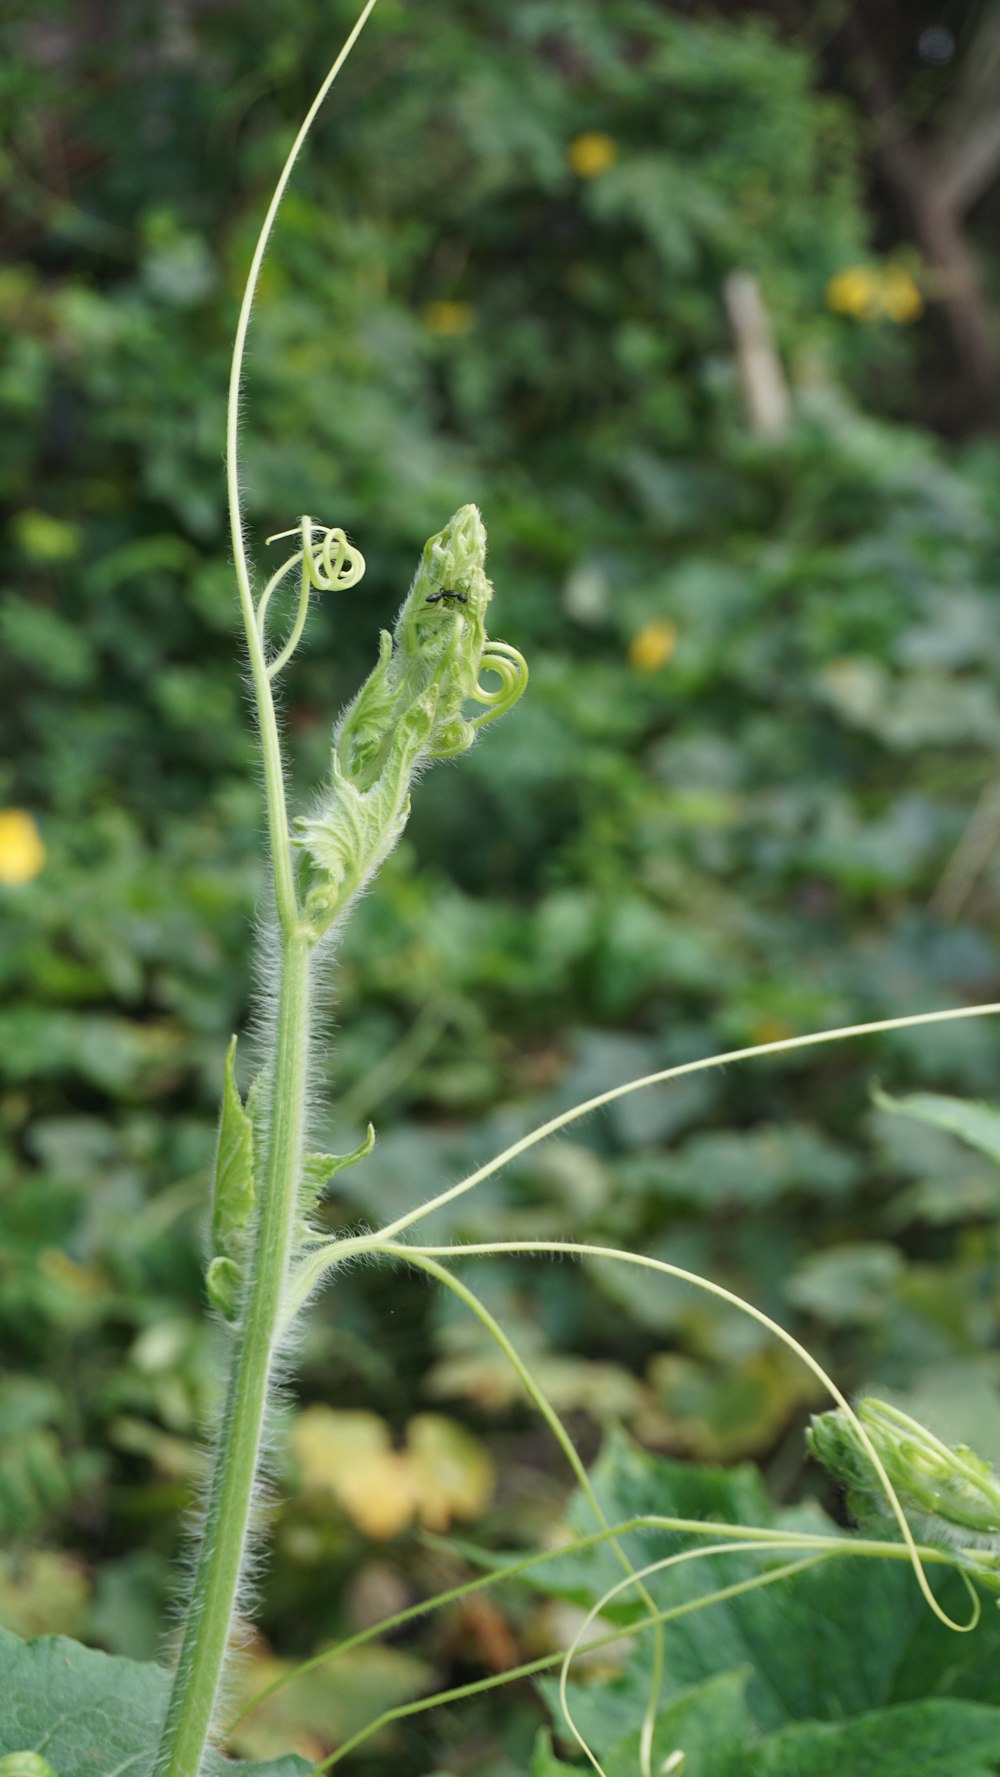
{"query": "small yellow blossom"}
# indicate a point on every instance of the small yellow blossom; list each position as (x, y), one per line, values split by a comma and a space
(592, 154)
(653, 645)
(22, 849)
(449, 317)
(854, 291)
(899, 296)
(873, 293)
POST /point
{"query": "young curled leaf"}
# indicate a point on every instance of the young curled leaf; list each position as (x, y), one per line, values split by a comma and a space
(319, 1169)
(233, 1193)
(222, 1281)
(411, 711)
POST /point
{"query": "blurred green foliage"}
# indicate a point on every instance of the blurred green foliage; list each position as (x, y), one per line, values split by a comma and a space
(759, 835)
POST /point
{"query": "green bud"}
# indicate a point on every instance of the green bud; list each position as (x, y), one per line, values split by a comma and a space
(412, 710)
(25, 1764)
(950, 1493)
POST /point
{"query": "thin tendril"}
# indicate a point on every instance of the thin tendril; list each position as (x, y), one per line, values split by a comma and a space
(569, 1450)
(337, 566)
(582, 1249)
(546, 1662)
(246, 307)
(511, 669)
(785, 1045)
(738, 1533)
(644, 1573)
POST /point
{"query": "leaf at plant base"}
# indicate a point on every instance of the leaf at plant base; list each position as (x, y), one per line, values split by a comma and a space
(93, 1714)
(977, 1124)
(931, 1739)
(453, 1476)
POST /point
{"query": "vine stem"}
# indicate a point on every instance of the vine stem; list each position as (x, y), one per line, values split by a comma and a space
(229, 1514)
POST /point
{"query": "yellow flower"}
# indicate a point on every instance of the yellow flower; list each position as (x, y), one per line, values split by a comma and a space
(854, 291)
(22, 850)
(653, 645)
(899, 297)
(870, 294)
(592, 154)
(449, 317)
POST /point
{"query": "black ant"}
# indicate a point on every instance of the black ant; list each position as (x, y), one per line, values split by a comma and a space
(449, 593)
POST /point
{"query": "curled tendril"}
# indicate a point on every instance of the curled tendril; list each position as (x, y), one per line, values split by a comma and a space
(333, 566)
(511, 669)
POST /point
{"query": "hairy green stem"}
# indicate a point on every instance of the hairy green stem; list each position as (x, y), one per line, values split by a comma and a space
(227, 1527)
(230, 1506)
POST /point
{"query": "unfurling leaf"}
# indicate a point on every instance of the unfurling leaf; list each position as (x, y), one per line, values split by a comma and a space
(319, 1169)
(410, 711)
(222, 1281)
(232, 1192)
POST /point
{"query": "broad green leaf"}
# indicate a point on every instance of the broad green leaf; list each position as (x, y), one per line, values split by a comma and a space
(709, 1723)
(543, 1760)
(932, 1739)
(830, 1644)
(977, 1124)
(92, 1713)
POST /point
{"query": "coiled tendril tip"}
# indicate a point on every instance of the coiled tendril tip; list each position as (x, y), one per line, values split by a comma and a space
(332, 566)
